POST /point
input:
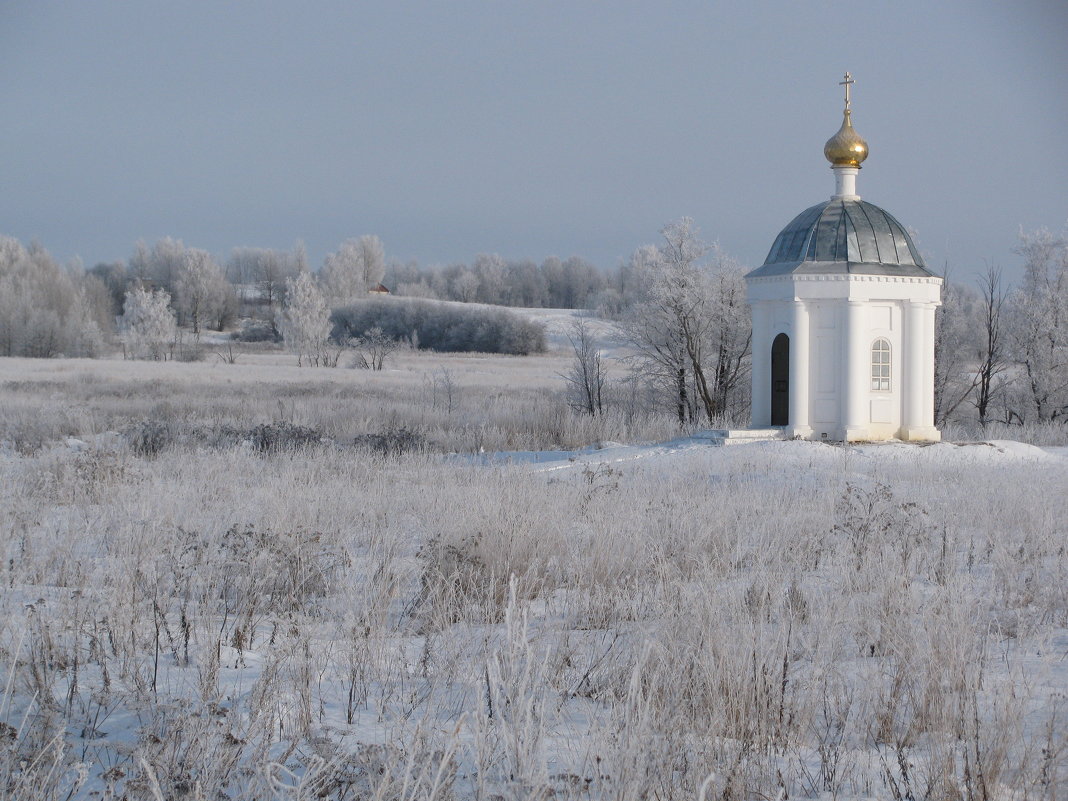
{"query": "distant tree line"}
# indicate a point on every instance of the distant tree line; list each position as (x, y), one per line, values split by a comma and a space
(573, 283)
(1001, 351)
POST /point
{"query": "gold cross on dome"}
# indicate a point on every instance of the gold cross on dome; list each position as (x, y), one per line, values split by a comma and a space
(847, 83)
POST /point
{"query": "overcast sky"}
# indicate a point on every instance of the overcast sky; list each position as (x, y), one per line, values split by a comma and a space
(527, 129)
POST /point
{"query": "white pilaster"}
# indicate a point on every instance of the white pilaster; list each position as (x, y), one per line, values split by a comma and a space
(760, 412)
(799, 370)
(917, 372)
(857, 375)
(929, 369)
(911, 372)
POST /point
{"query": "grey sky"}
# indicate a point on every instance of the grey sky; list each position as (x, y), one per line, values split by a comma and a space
(523, 128)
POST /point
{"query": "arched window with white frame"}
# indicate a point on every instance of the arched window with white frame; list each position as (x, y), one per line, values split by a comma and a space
(880, 365)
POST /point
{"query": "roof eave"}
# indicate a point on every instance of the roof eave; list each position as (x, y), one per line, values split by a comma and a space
(839, 268)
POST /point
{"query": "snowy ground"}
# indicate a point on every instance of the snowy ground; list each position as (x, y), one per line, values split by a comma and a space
(780, 618)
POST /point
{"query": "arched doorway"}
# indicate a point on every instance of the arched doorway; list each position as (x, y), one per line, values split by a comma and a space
(780, 381)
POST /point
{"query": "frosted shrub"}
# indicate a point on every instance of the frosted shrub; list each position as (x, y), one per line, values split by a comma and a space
(283, 436)
(267, 570)
(149, 438)
(452, 327)
(392, 441)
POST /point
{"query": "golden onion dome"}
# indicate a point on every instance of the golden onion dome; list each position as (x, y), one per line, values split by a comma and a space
(846, 148)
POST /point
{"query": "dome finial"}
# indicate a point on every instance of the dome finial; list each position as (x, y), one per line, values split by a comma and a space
(846, 148)
(847, 83)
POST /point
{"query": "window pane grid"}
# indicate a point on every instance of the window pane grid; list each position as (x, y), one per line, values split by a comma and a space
(880, 366)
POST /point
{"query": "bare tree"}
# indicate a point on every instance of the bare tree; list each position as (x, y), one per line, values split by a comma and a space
(588, 376)
(992, 358)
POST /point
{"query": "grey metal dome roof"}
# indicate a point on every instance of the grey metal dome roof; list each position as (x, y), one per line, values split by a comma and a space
(843, 236)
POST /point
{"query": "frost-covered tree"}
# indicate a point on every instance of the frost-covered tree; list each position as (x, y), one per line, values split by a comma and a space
(148, 324)
(203, 294)
(160, 266)
(464, 286)
(690, 323)
(1039, 323)
(488, 269)
(582, 282)
(306, 321)
(357, 266)
(658, 340)
(372, 260)
(115, 278)
(956, 338)
(44, 309)
(100, 302)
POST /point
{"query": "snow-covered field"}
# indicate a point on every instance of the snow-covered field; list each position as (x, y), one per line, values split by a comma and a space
(196, 617)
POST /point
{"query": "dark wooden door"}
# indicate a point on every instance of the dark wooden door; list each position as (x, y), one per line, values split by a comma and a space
(780, 381)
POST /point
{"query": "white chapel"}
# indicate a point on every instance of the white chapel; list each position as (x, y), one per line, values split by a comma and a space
(843, 318)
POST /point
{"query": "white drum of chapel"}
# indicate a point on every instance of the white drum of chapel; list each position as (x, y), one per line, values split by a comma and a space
(844, 318)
